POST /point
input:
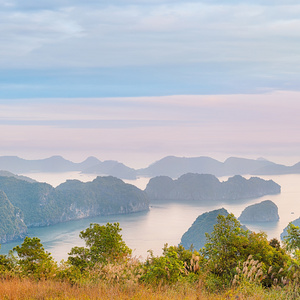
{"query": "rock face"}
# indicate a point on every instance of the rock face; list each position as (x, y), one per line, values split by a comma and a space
(12, 227)
(265, 211)
(205, 189)
(102, 196)
(203, 224)
(40, 204)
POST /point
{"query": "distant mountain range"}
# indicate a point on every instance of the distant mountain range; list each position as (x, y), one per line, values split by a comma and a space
(174, 167)
(58, 164)
(171, 166)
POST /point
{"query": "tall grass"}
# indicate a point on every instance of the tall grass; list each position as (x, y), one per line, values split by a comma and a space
(18, 288)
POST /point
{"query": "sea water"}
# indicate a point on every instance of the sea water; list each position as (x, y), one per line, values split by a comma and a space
(164, 223)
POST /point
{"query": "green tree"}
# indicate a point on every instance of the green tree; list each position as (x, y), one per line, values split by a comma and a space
(225, 245)
(292, 239)
(33, 259)
(230, 245)
(104, 244)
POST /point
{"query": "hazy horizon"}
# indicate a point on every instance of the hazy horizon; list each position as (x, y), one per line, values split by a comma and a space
(133, 163)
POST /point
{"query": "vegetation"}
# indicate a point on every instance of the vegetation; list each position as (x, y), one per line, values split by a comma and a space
(104, 244)
(195, 236)
(27, 204)
(233, 264)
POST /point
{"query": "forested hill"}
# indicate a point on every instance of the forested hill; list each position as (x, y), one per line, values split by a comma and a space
(39, 204)
(207, 189)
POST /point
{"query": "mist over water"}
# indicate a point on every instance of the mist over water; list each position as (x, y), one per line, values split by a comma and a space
(162, 224)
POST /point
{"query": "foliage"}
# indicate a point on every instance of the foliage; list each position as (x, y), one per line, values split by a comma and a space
(104, 243)
(230, 245)
(203, 224)
(190, 257)
(225, 245)
(164, 269)
(292, 239)
(6, 264)
(33, 259)
(245, 265)
(175, 264)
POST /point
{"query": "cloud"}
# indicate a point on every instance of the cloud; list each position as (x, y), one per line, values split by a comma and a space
(137, 48)
(151, 32)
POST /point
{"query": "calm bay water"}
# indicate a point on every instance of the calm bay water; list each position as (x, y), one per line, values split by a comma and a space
(162, 223)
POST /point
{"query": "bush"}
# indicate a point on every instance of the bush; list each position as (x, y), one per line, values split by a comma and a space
(175, 264)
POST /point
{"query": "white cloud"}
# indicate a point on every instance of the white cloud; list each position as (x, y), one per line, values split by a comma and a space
(156, 32)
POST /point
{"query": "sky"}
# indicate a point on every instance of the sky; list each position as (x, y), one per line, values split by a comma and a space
(135, 81)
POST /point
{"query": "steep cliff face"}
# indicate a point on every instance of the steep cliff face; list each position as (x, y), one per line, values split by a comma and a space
(33, 199)
(102, 196)
(42, 205)
(205, 188)
(265, 211)
(12, 227)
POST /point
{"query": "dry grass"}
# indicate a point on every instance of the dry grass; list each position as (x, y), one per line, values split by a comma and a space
(28, 289)
(50, 289)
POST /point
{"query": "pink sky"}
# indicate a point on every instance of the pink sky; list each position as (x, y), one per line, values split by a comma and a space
(138, 131)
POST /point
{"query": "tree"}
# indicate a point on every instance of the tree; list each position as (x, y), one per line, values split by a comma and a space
(33, 259)
(229, 244)
(225, 245)
(292, 239)
(104, 244)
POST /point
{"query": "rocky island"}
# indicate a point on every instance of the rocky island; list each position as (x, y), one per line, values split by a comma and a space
(195, 236)
(25, 204)
(265, 211)
(207, 189)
